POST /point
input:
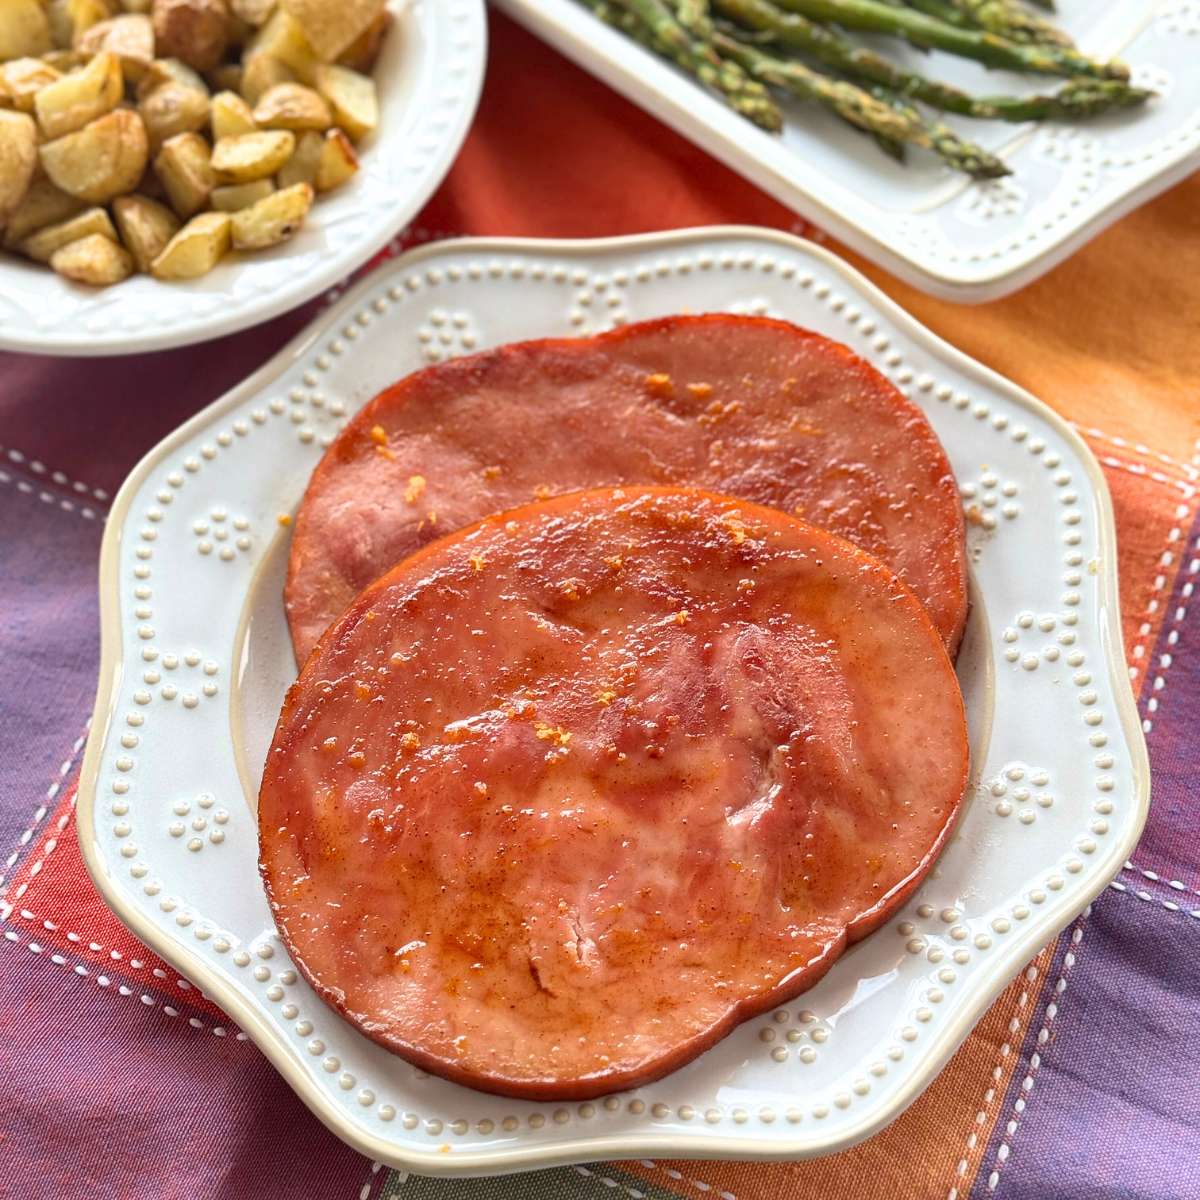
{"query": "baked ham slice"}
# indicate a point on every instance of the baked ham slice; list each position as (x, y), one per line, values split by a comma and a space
(567, 795)
(747, 406)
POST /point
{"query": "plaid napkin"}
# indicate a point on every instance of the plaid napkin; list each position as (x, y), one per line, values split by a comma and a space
(118, 1079)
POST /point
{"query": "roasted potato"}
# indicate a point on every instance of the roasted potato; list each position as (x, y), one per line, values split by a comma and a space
(94, 259)
(338, 161)
(225, 78)
(65, 60)
(273, 219)
(42, 244)
(253, 12)
(306, 158)
(145, 227)
(252, 156)
(130, 37)
(261, 72)
(135, 6)
(22, 79)
(103, 159)
(43, 205)
(24, 29)
(173, 108)
(70, 18)
(361, 54)
(352, 97)
(230, 116)
(233, 196)
(283, 39)
(195, 31)
(330, 28)
(184, 168)
(292, 106)
(18, 158)
(73, 100)
(170, 70)
(195, 249)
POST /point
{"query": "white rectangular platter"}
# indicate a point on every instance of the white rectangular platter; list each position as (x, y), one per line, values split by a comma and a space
(957, 239)
(196, 659)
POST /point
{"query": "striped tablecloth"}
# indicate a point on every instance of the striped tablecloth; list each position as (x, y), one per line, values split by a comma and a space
(118, 1080)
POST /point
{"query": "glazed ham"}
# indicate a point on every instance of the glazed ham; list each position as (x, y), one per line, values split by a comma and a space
(747, 406)
(565, 796)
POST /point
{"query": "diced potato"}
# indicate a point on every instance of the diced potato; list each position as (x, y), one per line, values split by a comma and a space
(70, 102)
(130, 37)
(94, 259)
(20, 81)
(253, 12)
(330, 28)
(292, 106)
(173, 108)
(65, 60)
(70, 18)
(43, 205)
(338, 161)
(352, 97)
(225, 78)
(283, 39)
(24, 29)
(145, 227)
(135, 6)
(42, 244)
(196, 31)
(170, 70)
(261, 72)
(361, 54)
(103, 159)
(306, 159)
(183, 165)
(273, 219)
(230, 116)
(18, 158)
(252, 155)
(195, 249)
(233, 196)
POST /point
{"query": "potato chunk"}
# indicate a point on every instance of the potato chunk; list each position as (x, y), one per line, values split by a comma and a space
(361, 54)
(18, 158)
(253, 12)
(273, 219)
(330, 28)
(184, 168)
(24, 29)
(170, 70)
(306, 159)
(195, 249)
(252, 155)
(130, 37)
(145, 227)
(94, 259)
(338, 161)
(69, 19)
(352, 97)
(43, 205)
(173, 108)
(70, 102)
(42, 244)
(22, 79)
(103, 159)
(230, 116)
(233, 196)
(292, 106)
(195, 31)
(283, 39)
(261, 72)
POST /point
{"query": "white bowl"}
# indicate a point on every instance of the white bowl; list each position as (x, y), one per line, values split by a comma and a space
(429, 72)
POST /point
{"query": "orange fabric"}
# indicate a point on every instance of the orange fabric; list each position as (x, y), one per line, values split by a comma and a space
(1108, 338)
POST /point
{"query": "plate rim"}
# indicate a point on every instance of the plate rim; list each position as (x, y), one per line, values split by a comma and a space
(554, 21)
(616, 1146)
(224, 321)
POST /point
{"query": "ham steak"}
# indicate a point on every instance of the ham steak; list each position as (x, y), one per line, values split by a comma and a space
(568, 794)
(746, 406)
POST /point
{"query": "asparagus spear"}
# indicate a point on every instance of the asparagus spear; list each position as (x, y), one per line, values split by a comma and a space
(744, 95)
(943, 10)
(901, 123)
(1079, 98)
(1010, 19)
(980, 45)
(1045, 5)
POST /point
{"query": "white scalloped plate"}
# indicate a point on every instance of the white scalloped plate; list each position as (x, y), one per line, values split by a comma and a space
(429, 74)
(196, 659)
(964, 241)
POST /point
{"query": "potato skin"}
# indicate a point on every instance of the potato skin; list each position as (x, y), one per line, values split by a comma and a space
(195, 249)
(104, 159)
(95, 260)
(145, 226)
(196, 31)
(18, 158)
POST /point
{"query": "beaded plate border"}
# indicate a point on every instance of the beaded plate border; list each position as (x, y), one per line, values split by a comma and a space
(195, 659)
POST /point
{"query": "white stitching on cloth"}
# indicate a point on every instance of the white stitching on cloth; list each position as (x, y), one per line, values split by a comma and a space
(609, 1182)
(1189, 469)
(1004, 1150)
(698, 1184)
(59, 477)
(103, 981)
(1167, 657)
(1154, 877)
(51, 794)
(1187, 490)
(364, 1192)
(23, 485)
(1015, 1027)
(1169, 905)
